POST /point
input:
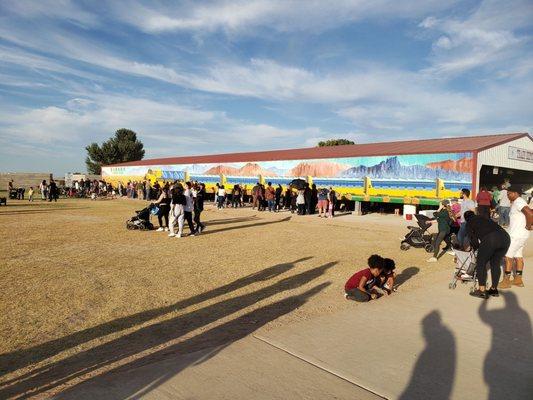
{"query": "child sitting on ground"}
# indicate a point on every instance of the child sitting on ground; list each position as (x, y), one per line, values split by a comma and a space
(360, 286)
(387, 276)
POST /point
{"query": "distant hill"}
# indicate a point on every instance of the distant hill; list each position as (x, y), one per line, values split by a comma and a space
(462, 165)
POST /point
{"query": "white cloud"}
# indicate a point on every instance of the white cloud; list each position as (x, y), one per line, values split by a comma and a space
(281, 15)
(490, 37)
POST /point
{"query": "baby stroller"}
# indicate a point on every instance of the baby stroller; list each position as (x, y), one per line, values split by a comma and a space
(417, 236)
(465, 267)
(141, 221)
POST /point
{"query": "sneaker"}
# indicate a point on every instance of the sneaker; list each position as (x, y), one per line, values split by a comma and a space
(167, 230)
(432, 260)
(349, 297)
(178, 235)
(171, 234)
(517, 281)
(451, 252)
(478, 293)
(160, 229)
(191, 234)
(493, 292)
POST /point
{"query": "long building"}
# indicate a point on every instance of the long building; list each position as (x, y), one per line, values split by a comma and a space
(403, 172)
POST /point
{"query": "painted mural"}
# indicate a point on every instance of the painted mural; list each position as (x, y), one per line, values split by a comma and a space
(432, 176)
(455, 167)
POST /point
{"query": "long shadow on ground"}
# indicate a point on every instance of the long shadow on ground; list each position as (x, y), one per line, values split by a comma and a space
(10, 362)
(231, 228)
(160, 333)
(153, 377)
(405, 275)
(434, 371)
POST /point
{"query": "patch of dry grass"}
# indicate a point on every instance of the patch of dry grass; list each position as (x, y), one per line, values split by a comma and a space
(81, 295)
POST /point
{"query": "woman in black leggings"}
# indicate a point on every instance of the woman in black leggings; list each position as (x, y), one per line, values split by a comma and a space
(491, 242)
(164, 208)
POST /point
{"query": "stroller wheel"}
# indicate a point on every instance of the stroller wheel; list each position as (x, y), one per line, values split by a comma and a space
(130, 226)
(404, 246)
(429, 248)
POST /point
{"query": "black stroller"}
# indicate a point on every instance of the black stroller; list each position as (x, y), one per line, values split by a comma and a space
(141, 221)
(417, 236)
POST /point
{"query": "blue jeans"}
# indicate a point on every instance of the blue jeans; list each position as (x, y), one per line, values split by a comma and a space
(461, 235)
(504, 215)
(271, 205)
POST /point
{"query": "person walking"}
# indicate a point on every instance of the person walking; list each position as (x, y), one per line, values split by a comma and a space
(308, 196)
(177, 213)
(444, 218)
(504, 207)
(235, 196)
(484, 202)
(332, 197)
(52, 191)
(43, 188)
(199, 207)
(491, 242)
(520, 222)
(30, 194)
(314, 199)
(270, 196)
(189, 208)
(164, 209)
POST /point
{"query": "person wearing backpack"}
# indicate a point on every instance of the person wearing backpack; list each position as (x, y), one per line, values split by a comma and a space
(444, 218)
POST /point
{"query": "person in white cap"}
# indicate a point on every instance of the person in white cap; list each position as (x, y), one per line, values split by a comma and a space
(520, 221)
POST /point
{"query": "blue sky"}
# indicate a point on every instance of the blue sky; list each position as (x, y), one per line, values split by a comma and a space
(195, 77)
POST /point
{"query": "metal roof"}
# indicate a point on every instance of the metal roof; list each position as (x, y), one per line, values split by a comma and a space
(426, 146)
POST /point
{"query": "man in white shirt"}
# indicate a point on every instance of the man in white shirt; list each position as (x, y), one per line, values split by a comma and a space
(504, 207)
(520, 221)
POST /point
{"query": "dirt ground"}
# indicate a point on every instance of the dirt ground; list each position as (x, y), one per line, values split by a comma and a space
(81, 295)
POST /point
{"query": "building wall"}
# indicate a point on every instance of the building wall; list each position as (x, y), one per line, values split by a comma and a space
(21, 179)
(498, 156)
(395, 175)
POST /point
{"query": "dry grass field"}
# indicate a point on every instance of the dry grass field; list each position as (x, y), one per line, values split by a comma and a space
(81, 295)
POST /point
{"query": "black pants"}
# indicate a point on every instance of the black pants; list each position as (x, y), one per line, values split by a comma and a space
(491, 250)
(301, 209)
(188, 217)
(438, 240)
(197, 214)
(164, 210)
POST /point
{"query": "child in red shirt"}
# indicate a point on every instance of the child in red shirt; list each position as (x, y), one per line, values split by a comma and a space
(360, 286)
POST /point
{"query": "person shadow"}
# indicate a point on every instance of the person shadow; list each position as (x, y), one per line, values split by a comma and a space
(434, 371)
(405, 275)
(508, 366)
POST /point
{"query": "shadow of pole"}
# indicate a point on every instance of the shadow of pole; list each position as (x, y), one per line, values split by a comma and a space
(434, 371)
(151, 378)
(145, 338)
(13, 361)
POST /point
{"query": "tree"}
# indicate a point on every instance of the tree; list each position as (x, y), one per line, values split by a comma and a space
(123, 147)
(335, 142)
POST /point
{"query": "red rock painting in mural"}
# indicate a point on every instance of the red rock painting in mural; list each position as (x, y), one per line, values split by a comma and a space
(319, 169)
(461, 165)
(249, 169)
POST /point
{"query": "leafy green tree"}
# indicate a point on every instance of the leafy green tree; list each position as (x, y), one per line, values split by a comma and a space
(335, 142)
(123, 147)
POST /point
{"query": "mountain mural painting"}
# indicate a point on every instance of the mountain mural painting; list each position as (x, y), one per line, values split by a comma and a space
(402, 170)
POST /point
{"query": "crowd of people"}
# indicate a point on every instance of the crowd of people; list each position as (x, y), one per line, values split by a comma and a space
(496, 227)
(306, 200)
(49, 191)
(178, 203)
